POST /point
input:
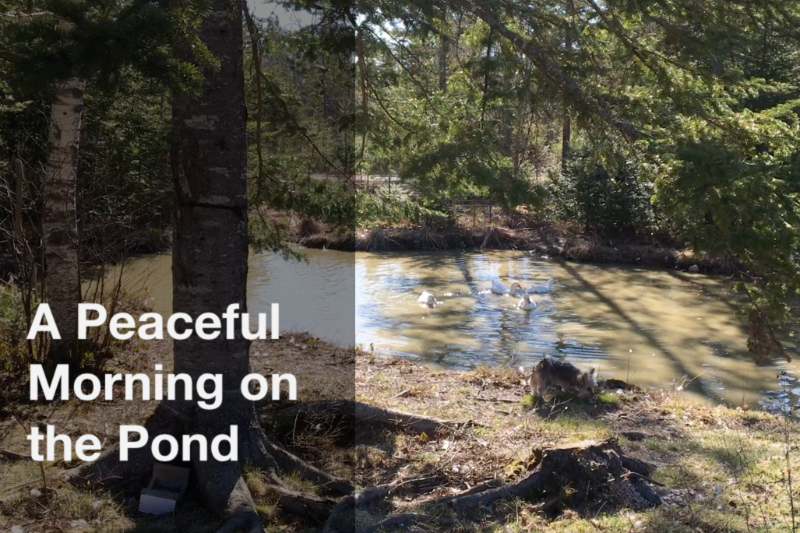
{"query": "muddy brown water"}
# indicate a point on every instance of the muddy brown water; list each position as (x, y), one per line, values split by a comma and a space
(655, 328)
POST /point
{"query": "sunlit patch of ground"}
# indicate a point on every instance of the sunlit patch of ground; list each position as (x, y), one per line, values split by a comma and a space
(723, 470)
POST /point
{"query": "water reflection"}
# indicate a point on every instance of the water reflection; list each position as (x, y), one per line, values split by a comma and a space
(654, 327)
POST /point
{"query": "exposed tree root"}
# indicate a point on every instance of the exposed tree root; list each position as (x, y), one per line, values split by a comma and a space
(397, 520)
(595, 472)
(14, 456)
(490, 495)
(370, 414)
(117, 475)
(303, 504)
(220, 483)
(243, 515)
(480, 487)
(290, 463)
(338, 519)
(340, 522)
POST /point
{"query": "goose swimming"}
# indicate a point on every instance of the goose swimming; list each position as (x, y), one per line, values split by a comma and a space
(526, 303)
(501, 288)
(426, 298)
(540, 289)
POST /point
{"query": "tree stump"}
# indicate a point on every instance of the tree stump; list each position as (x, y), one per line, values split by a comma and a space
(575, 476)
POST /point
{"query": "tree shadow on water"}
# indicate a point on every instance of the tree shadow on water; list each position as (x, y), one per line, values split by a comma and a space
(639, 329)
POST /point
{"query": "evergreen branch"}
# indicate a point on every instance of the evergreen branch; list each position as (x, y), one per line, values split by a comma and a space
(482, 10)
(287, 114)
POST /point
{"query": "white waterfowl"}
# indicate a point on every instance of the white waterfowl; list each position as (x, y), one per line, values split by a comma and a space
(539, 289)
(426, 298)
(526, 303)
(501, 288)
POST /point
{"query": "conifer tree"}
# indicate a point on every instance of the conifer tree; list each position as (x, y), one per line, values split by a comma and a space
(52, 51)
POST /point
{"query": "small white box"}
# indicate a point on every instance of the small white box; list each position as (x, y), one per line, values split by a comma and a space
(164, 490)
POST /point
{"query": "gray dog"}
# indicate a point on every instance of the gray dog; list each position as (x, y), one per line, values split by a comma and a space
(549, 373)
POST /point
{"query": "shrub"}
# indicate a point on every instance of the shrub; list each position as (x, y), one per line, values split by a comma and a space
(12, 327)
(607, 199)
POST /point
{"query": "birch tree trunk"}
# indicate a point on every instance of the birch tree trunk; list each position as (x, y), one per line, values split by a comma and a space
(59, 220)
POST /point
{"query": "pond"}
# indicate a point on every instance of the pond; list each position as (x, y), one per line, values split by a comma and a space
(654, 328)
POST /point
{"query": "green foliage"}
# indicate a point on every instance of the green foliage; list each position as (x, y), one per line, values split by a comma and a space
(608, 197)
(13, 329)
(96, 39)
(303, 121)
(124, 196)
(740, 205)
(458, 99)
(607, 398)
(387, 207)
(529, 401)
(131, 54)
(447, 144)
(125, 187)
(460, 167)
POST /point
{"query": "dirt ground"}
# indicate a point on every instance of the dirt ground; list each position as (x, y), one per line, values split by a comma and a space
(717, 469)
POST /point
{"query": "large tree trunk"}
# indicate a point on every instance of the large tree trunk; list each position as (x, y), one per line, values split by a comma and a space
(209, 272)
(59, 221)
(209, 261)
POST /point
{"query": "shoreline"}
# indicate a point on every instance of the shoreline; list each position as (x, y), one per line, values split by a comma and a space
(575, 248)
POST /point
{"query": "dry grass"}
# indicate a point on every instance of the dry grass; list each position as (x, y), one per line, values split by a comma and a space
(374, 241)
(724, 470)
(322, 372)
(430, 239)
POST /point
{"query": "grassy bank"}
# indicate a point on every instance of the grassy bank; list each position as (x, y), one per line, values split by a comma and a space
(717, 469)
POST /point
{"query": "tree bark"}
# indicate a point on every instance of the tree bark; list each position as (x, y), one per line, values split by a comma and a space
(507, 128)
(209, 266)
(209, 271)
(19, 178)
(566, 136)
(209, 260)
(59, 220)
